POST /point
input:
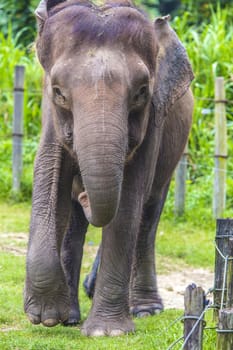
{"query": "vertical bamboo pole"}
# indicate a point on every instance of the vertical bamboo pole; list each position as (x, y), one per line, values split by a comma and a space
(220, 149)
(180, 181)
(18, 127)
(194, 298)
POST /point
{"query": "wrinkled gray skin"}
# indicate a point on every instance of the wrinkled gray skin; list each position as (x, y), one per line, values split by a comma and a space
(116, 116)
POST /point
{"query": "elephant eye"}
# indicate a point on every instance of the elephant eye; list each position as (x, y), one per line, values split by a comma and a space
(141, 95)
(59, 97)
(143, 91)
(57, 91)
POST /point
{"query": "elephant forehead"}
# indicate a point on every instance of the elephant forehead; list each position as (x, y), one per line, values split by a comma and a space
(107, 65)
(93, 66)
(73, 28)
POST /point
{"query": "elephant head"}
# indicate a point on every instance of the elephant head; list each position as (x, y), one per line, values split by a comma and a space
(109, 73)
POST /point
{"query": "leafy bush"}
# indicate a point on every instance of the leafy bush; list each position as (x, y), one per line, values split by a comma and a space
(20, 15)
(209, 47)
(201, 9)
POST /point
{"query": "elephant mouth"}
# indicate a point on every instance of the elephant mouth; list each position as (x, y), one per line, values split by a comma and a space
(85, 203)
(98, 214)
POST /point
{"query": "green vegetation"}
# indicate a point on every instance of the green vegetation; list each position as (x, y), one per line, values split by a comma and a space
(10, 55)
(20, 15)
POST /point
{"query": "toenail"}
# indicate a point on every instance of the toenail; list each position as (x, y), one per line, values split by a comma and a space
(50, 322)
(143, 314)
(34, 319)
(116, 333)
(98, 333)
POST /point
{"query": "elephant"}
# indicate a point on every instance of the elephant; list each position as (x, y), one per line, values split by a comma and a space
(116, 114)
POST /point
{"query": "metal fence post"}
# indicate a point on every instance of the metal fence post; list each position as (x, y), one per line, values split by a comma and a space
(17, 162)
(219, 198)
(180, 182)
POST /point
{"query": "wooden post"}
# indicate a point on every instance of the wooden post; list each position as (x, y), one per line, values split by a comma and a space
(229, 300)
(194, 303)
(224, 237)
(225, 330)
(225, 320)
(220, 149)
(18, 127)
(180, 181)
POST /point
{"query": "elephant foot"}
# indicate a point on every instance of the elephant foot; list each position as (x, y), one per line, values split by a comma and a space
(99, 327)
(146, 309)
(48, 309)
(46, 294)
(146, 304)
(74, 318)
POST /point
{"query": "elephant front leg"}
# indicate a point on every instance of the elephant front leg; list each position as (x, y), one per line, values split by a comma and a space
(46, 297)
(110, 310)
(144, 297)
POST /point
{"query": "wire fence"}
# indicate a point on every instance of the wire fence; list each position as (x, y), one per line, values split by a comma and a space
(196, 324)
(222, 295)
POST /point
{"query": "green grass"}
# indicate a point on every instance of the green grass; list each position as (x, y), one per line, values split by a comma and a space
(17, 334)
(185, 240)
(181, 243)
(14, 217)
(149, 336)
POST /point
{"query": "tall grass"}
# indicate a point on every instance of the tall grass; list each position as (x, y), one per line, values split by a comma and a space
(210, 50)
(12, 54)
(209, 47)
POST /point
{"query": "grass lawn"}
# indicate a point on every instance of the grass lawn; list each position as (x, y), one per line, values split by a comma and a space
(179, 242)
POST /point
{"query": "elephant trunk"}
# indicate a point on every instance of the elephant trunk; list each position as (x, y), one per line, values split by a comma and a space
(101, 149)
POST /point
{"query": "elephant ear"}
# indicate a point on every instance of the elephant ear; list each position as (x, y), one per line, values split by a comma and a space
(173, 72)
(42, 10)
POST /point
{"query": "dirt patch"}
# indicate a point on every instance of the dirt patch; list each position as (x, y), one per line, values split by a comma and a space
(173, 285)
(8, 329)
(14, 243)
